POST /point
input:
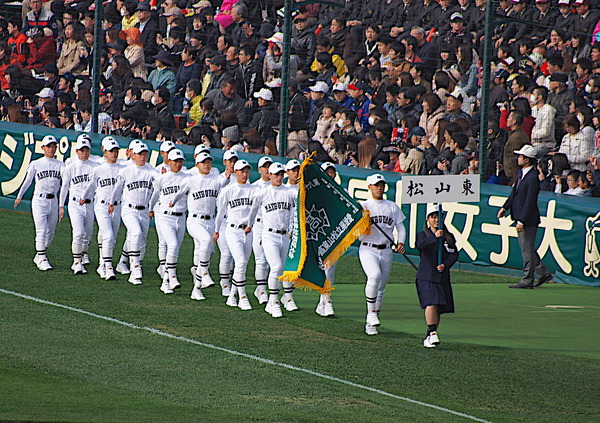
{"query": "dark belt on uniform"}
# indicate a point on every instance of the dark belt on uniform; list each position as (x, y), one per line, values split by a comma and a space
(238, 226)
(376, 246)
(116, 203)
(278, 231)
(133, 206)
(86, 201)
(202, 216)
(47, 196)
(173, 213)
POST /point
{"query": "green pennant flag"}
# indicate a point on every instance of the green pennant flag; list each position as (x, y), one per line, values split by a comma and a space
(327, 222)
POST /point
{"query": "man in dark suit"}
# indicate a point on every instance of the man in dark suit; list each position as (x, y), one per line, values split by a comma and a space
(523, 207)
(148, 28)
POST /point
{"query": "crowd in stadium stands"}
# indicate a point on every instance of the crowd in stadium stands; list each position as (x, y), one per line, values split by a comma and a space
(382, 84)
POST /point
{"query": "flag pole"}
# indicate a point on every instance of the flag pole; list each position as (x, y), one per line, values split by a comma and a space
(395, 245)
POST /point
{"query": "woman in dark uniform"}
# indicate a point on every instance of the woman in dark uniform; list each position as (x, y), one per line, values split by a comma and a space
(433, 281)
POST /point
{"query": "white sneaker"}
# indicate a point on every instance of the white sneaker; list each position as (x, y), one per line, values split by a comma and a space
(110, 273)
(43, 264)
(261, 294)
(78, 268)
(244, 304)
(133, 280)
(174, 282)
(207, 281)
(320, 310)
(328, 308)
(433, 337)
(85, 259)
(193, 270)
(197, 294)
(137, 272)
(160, 270)
(276, 309)
(231, 299)
(225, 289)
(373, 319)
(37, 260)
(288, 302)
(122, 268)
(427, 342)
(165, 288)
(101, 271)
(371, 330)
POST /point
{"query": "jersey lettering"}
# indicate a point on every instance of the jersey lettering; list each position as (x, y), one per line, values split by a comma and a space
(80, 179)
(170, 190)
(198, 195)
(139, 185)
(48, 174)
(106, 182)
(281, 205)
(386, 220)
(238, 202)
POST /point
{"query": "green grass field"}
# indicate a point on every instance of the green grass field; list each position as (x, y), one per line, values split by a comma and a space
(504, 357)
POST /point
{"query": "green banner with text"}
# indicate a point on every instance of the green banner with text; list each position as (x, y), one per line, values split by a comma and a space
(568, 238)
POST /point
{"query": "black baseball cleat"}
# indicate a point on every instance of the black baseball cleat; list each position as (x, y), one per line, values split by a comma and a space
(522, 285)
(543, 280)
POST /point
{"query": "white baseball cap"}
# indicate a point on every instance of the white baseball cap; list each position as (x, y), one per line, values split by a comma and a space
(264, 160)
(339, 86)
(327, 165)
(200, 148)
(265, 94)
(277, 38)
(48, 139)
(292, 164)
(204, 155)
(83, 141)
(274, 83)
(375, 178)
(167, 146)
(176, 154)
(108, 143)
(133, 143)
(140, 148)
(230, 154)
(46, 93)
(320, 87)
(527, 150)
(276, 168)
(432, 208)
(241, 164)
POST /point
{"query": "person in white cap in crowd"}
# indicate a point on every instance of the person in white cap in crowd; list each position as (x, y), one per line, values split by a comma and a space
(340, 95)
(234, 207)
(325, 306)
(318, 96)
(433, 279)
(165, 147)
(75, 184)
(276, 203)
(102, 183)
(170, 217)
(134, 188)
(261, 267)
(267, 115)
(47, 172)
(230, 157)
(375, 251)
(201, 190)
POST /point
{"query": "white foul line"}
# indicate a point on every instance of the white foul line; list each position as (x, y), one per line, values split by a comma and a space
(245, 355)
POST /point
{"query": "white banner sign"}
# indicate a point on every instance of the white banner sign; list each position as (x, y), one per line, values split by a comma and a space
(440, 189)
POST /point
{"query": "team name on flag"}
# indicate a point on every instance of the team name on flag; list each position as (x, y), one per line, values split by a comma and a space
(327, 222)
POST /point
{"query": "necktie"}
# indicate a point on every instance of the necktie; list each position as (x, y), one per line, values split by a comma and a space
(519, 178)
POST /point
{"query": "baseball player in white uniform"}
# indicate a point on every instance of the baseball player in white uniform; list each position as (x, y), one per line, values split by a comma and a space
(230, 157)
(375, 251)
(102, 183)
(202, 191)
(325, 305)
(277, 203)
(75, 184)
(134, 188)
(261, 267)
(47, 173)
(123, 264)
(236, 201)
(170, 217)
(165, 148)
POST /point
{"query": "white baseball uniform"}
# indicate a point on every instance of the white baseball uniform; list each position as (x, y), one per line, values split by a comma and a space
(134, 188)
(236, 201)
(225, 257)
(103, 180)
(261, 267)
(375, 251)
(47, 174)
(170, 221)
(75, 184)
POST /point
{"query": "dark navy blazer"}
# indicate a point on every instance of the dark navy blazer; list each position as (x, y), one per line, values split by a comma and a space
(428, 247)
(522, 202)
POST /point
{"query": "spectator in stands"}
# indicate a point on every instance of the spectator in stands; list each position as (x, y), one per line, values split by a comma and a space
(161, 110)
(135, 52)
(226, 98)
(193, 95)
(516, 139)
(71, 51)
(542, 133)
(163, 76)
(267, 115)
(17, 42)
(571, 187)
(42, 48)
(575, 145)
(148, 30)
(40, 17)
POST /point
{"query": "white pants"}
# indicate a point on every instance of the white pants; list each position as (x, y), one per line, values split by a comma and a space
(45, 218)
(137, 223)
(261, 266)
(82, 222)
(201, 230)
(108, 227)
(275, 247)
(171, 230)
(377, 265)
(225, 259)
(240, 246)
